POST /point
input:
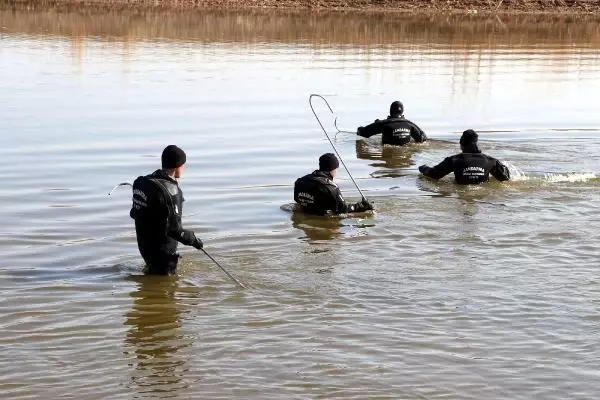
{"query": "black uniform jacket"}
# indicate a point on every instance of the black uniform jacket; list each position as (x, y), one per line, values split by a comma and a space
(395, 130)
(318, 195)
(157, 207)
(469, 168)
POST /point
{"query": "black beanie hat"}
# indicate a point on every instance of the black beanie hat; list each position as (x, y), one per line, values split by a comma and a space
(328, 162)
(396, 108)
(469, 137)
(172, 157)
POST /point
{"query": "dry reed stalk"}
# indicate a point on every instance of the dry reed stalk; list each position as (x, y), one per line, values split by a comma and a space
(556, 6)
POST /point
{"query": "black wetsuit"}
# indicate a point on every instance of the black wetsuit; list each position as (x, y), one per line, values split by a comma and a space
(395, 130)
(318, 195)
(157, 204)
(468, 168)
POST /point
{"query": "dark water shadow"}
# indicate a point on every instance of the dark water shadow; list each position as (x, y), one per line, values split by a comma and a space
(154, 337)
(317, 228)
(390, 161)
(486, 192)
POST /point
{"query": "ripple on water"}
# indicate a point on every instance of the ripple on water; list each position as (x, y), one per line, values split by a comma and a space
(443, 292)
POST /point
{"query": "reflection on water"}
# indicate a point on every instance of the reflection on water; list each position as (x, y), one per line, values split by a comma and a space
(317, 228)
(486, 292)
(154, 336)
(391, 161)
(483, 193)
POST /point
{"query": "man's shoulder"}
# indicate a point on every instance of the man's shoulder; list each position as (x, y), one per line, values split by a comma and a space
(148, 177)
(381, 122)
(143, 181)
(455, 157)
(477, 155)
(399, 121)
(315, 177)
(303, 179)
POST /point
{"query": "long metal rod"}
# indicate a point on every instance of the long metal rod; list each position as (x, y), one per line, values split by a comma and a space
(240, 284)
(330, 142)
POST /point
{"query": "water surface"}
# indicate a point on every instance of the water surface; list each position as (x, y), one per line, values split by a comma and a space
(445, 292)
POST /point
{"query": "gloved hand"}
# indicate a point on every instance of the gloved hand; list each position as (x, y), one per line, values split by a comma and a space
(363, 205)
(423, 169)
(198, 243)
(360, 128)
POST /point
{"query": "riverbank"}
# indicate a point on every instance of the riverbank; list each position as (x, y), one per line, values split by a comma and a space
(421, 6)
(323, 27)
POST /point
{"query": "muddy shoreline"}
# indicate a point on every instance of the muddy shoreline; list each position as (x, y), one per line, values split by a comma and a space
(558, 7)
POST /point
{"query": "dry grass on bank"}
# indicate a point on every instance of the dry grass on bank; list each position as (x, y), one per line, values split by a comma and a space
(291, 26)
(519, 6)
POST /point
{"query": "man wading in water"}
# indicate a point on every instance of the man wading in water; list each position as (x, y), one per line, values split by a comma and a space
(471, 166)
(157, 204)
(318, 195)
(395, 129)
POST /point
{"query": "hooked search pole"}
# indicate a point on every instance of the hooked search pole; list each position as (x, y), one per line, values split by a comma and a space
(240, 284)
(330, 142)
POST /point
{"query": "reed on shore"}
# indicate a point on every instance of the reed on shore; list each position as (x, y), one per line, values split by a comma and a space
(325, 27)
(470, 6)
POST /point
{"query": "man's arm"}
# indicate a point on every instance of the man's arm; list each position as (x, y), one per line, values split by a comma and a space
(370, 130)
(417, 133)
(341, 207)
(440, 170)
(174, 227)
(500, 171)
(183, 236)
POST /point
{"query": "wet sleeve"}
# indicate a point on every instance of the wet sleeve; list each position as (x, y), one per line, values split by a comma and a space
(370, 130)
(176, 231)
(417, 134)
(440, 170)
(174, 226)
(342, 207)
(500, 171)
(334, 200)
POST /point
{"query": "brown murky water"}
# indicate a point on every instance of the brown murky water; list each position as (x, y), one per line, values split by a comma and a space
(446, 292)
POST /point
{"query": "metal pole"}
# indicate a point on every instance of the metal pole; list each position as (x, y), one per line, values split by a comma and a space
(330, 142)
(240, 284)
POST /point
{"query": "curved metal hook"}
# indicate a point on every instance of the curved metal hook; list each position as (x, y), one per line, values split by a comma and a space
(335, 118)
(330, 142)
(338, 129)
(120, 184)
(313, 109)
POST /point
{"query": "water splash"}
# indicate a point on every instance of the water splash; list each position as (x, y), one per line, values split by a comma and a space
(569, 177)
(516, 174)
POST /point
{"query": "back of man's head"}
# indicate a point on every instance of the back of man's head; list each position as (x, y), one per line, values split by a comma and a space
(396, 109)
(469, 137)
(468, 141)
(172, 157)
(328, 162)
